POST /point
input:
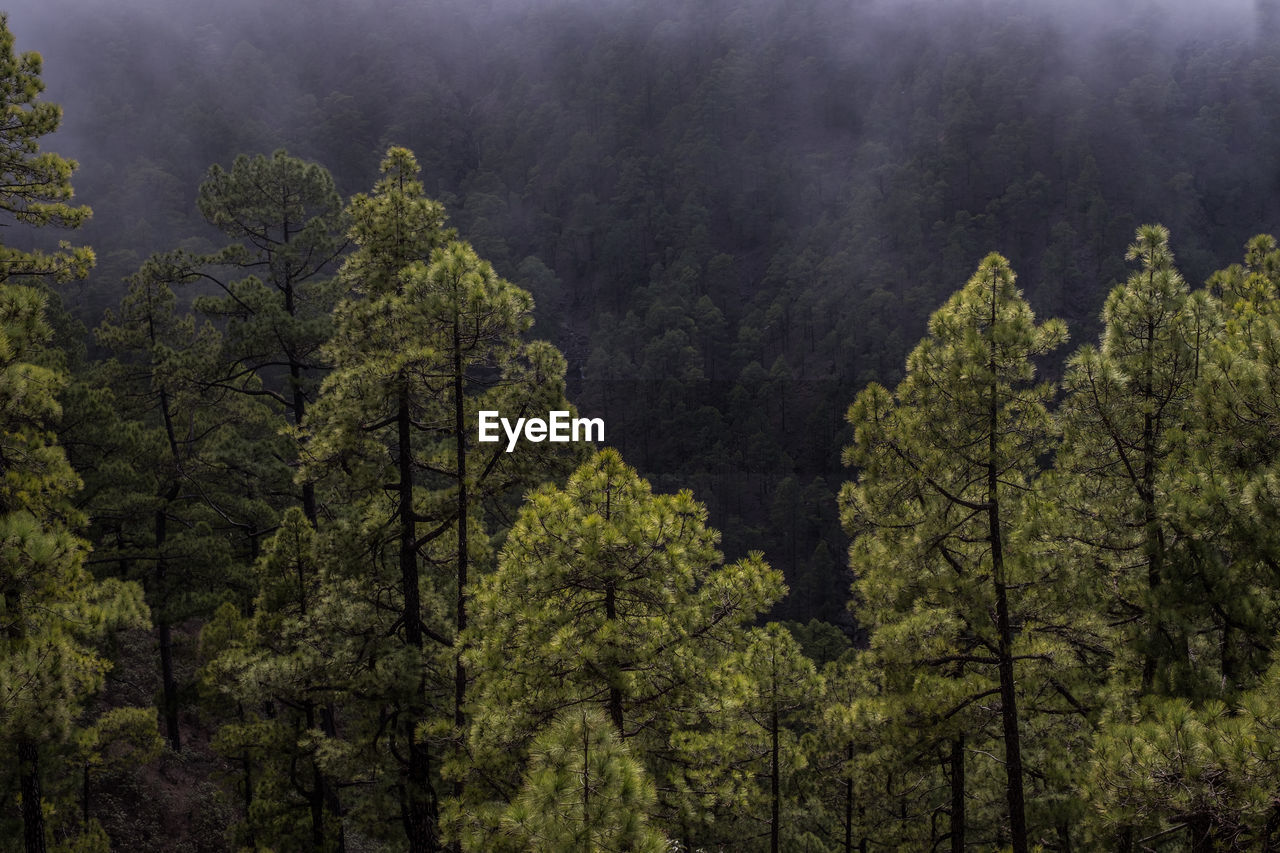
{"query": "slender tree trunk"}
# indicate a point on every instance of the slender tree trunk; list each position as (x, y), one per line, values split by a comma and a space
(774, 780)
(1004, 626)
(1201, 831)
(418, 811)
(848, 798)
(412, 615)
(460, 436)
(84, 795)
(168, 681)
(615, 693)
(333, 799)
(957, 795)
(315, 799)
(1009, 721)
(32, 809)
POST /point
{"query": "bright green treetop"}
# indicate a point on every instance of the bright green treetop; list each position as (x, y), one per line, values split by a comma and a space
(610, 596)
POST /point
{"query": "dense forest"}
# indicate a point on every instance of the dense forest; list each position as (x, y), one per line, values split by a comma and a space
(887, 546)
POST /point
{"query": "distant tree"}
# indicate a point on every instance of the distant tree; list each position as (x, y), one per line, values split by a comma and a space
(287, 219)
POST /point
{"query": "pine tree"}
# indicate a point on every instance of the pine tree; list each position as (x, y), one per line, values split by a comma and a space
(189, 489)
(288, 220)
(1125, 463)
(784, 689)
(609, 596)
(944, 462)
(35, 185)
(582, 791)
(54, 613)
(431, 336)
(275, 667)
(53, 610)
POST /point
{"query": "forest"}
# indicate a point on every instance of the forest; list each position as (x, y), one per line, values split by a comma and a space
(937, 350)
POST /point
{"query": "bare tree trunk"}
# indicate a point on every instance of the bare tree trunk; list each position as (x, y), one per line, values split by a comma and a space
(32, 811)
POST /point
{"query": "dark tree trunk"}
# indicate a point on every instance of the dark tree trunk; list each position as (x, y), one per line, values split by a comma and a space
(1201, 832)
(615, 693)
(460, 438)
(957, 795)
(32, 811)
(418, 810)
(848, 799)
(1004, 626)
(168, 681)
(774, 786)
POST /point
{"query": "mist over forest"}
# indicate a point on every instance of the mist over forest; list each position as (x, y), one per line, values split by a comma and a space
(824, 173)
(732, 217)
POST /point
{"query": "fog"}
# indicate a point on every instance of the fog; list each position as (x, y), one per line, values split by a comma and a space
(759, 201)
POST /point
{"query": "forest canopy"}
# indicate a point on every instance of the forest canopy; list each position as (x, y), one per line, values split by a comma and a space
(266, 588)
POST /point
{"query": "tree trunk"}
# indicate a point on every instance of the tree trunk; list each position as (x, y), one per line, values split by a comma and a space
(169, 683)
(1004, 626)
(774, 780)
(460, 439)
(32, 809)
(615, 693)
(418, 808)
(957, 795)
(1201, 831)
(848, 799)
(332, 798)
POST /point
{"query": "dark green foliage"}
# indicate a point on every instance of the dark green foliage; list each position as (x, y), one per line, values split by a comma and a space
(731, 216)
(688, 192)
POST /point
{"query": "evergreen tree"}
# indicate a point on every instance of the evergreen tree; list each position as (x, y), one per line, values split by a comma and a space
(54, 611)
(275, 667)
(784, 689)
(431, 336)
(191, 483)
(1125, 466)
(583, 791)
(609, 596)
(288, 220)
(35, 185)
(944, 463)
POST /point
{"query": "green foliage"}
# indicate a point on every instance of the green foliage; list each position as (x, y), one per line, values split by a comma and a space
(610, 596)
(184, 472)
(408, 500)
(35, 185)
(277, 667)
(288, 221)
(1125, 463)
(582, 791)
(55, 615)
(946, 464)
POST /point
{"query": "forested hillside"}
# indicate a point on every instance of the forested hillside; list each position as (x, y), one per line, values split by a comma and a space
(871, 557)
